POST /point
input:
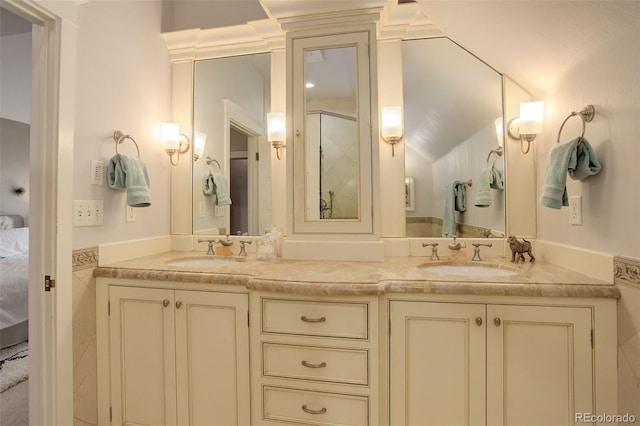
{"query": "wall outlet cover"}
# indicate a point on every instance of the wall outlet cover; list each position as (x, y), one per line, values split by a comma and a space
(575, 210)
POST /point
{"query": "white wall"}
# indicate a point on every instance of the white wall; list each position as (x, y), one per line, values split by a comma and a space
(14, 167)
(124, 77)
(15, 77)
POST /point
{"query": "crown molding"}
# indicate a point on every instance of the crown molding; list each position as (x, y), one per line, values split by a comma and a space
(405, 22)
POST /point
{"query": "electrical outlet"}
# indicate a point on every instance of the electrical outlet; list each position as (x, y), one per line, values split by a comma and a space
(130, 214)
(87, 212)
(575, 210)
(97, 172)
(219, 211)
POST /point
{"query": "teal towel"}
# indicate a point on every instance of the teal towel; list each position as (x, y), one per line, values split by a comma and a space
(578, 160)
(217, 185)
(130, 173)
(490, 177)
(460, 196)
(449, 215)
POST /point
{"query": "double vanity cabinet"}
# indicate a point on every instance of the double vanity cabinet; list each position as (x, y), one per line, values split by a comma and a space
(266, 343)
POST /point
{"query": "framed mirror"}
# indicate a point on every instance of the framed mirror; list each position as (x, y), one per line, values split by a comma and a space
(453, 134)
(231, 99)
(331, 134)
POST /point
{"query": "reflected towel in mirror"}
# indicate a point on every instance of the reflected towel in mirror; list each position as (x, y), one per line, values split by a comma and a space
(460, 196)
(490, 177)
(130, 173)
(217, 185)
(448, 216)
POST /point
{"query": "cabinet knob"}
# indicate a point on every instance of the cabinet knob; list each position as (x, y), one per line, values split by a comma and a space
(479, 321)
(307, 410)
(178, 304)
(305, 319)
(165, 302)
(308, 365)
(497, 321)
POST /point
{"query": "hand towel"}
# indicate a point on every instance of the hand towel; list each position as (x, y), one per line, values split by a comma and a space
(449, 215)
(130, 173)
(460, 196)
(217, 185)
(578, 160)
(490, 177)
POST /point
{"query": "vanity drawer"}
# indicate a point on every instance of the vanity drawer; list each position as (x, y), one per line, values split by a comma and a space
(315, 363)
(311, 318)
(314, 408)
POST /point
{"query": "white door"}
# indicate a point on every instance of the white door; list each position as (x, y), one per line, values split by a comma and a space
(437, 364)
(539, 365)
(212, 354)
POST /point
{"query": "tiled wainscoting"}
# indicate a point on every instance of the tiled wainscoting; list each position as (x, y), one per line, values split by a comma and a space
(627, 277)
(84, 337)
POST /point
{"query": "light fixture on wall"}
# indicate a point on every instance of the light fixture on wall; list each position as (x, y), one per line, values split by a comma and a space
(276, 131)
(173, 141)
(528, 125)
(392, 128)
(199, 141)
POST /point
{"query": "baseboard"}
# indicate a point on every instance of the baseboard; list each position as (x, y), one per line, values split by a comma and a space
(125, 250)
(593, 264)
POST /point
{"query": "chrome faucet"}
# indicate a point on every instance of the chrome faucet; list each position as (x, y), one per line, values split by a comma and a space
(476, 250)
(210, 244)
(226, 243)
(243, 252)
(434, 250)
(456, 245)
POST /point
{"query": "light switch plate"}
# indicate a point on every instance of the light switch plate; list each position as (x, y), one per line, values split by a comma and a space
(87, 213)
(575, 210)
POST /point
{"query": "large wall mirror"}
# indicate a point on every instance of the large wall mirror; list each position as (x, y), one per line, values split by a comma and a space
(453, 134)
(231, 99)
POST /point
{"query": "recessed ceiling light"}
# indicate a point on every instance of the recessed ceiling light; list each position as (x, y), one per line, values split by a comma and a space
(309, 85)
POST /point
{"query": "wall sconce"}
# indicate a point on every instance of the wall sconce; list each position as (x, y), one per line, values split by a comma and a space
(526, 127)
(276, 131)
(173, 141)
(199, 141)
(392, 126)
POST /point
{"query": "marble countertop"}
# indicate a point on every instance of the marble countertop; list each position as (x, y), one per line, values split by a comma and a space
(394, 275)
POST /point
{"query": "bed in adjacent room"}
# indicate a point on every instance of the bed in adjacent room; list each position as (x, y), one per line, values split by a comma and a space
(14, 280)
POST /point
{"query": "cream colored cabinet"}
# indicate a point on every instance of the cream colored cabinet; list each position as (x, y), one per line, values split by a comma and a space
(174, 357)
(315, 360)
(538, 362)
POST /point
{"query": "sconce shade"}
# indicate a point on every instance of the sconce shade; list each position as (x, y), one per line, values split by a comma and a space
(170, 135)
(392, 122)
(276, 128)
(499, 123)
(531, 118)
(199, 142)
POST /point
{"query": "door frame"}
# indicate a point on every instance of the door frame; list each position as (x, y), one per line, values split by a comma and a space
(53, 71)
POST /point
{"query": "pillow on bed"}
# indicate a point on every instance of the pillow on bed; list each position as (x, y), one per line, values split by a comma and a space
(14, 242)
(6, 222)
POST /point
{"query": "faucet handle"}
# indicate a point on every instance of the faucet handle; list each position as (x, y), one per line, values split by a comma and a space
(434, 250)
(476, 250)
(243, 252)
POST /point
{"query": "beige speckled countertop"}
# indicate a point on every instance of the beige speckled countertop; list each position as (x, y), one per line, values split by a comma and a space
(394, 275)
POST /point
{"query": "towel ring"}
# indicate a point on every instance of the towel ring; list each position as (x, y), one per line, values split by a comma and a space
(120, 137)
(210, 160)
(498, 151)
(585, 114)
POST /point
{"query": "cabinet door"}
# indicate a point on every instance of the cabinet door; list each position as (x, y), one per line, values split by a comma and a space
(437, 364)
(539, 365)
(212, 353)
(142, 356)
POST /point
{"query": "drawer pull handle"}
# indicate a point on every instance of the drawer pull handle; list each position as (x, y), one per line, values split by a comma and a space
(479, 321)
(497, 322)
(305, 319)
(321, 365)
(307, 410)
(165, 302)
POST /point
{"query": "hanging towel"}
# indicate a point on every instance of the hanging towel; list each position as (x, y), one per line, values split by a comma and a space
(490, 177)
(578, 160)
(130, 173)
(217, 185)
(460, 196)
(449, 215)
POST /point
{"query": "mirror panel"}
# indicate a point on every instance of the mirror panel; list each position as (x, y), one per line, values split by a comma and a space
(231, 98)
(452, 102)
(331, 149)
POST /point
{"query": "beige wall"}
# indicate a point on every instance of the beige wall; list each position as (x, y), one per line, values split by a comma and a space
(14, 167)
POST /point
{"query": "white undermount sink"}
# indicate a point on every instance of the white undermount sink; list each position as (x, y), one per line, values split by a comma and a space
(469, 270)
(204, 262)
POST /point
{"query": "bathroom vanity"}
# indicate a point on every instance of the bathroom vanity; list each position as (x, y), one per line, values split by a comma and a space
(353, 343)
